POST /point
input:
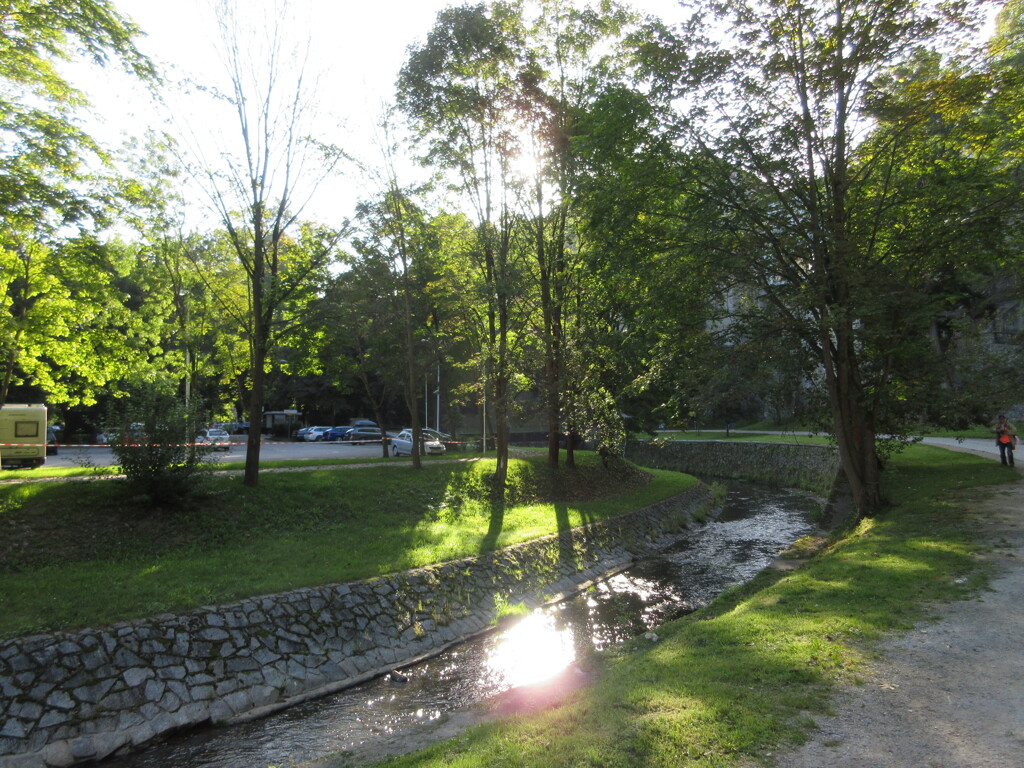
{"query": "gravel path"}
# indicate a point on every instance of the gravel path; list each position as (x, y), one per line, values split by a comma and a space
(948, 694)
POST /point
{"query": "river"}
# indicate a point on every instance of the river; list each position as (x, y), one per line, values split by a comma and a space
(439, 697)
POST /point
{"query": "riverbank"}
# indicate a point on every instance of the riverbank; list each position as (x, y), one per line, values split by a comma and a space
(746, 681)
(81, 694)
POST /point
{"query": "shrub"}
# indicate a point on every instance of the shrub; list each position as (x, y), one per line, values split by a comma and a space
(156, 451)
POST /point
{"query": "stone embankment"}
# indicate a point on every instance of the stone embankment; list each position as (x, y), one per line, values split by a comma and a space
(811, 467)
(73, 697)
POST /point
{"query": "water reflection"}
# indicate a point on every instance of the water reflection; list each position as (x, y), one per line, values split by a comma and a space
(532, 651)
(441, 695)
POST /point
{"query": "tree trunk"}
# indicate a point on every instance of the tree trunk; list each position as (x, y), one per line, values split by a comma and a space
(253, 439)
(854, 427)
(501, 387)
(257, 396)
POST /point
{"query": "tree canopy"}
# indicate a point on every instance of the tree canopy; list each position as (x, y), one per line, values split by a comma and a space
(790, 209)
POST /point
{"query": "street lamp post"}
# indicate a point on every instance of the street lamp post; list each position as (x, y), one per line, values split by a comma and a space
(437, 401)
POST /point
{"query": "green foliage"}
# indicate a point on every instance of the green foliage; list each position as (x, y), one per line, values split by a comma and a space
(44, 149)
(504, 610)
(156, 451)
(77, 318)
(842, 172)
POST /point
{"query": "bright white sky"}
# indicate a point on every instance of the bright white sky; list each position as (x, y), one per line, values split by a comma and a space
(358, 46)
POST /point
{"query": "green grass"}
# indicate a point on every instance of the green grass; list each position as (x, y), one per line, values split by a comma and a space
(743, 678)
(82, 554)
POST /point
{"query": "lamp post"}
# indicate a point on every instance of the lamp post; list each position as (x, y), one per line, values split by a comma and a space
(183, 295)
(437, 400)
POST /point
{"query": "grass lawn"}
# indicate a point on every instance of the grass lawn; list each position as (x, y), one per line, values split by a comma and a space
(739, 679)
(76, 554)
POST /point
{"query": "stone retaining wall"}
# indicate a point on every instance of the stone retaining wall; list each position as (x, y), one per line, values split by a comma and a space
(67, 698)
(811, 467)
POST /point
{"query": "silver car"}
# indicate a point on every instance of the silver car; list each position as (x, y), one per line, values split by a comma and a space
(218, 439)
(315, 434)
(401, 445)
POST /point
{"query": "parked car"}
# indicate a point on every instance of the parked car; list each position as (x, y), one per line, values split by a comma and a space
(300, 433)
(51, 441)
(216, 438)
(363, 423)
(433, 434)
(336, 433)
(106, 437)
(315, 434)
(362, 435)
(402, 445)
(135, 434)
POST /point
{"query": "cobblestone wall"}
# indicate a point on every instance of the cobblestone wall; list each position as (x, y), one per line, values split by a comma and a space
(812, 467)
(69, 698)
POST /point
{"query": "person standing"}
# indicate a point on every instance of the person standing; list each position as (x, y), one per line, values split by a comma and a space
(1006, 439)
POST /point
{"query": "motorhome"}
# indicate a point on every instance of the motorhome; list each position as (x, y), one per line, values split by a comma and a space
(22, 435)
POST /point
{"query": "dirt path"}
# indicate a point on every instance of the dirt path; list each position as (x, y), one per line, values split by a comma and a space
(948, 694)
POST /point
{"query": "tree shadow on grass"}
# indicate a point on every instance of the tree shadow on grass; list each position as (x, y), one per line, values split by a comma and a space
(495, 524)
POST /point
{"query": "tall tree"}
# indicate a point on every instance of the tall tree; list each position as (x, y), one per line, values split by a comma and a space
(43, 185)
(67, 328)
(460, 89)
(397, 235)
(202, 285)
(261, 191)
(777, 117)
(44, 147)
(573, 54)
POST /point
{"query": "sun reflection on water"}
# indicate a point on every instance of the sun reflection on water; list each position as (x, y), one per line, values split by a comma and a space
(532, 651)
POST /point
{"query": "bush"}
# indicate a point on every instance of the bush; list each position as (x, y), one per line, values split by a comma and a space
(156, 451)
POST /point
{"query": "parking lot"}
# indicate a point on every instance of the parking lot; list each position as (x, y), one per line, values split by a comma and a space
(103, 456)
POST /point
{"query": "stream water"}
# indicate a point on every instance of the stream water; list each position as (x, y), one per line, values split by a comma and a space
(437, 698)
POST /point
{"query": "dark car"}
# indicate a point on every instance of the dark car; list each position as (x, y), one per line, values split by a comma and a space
(363, 423)
(363, 435)
(336, 433)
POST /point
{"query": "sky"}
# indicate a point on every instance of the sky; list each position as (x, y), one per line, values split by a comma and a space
(357, 47)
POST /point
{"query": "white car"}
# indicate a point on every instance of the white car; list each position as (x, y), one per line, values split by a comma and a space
(218, 439)
(315, 434)
(401, 445)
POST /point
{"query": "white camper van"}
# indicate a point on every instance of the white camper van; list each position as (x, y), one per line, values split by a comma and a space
(22, 435)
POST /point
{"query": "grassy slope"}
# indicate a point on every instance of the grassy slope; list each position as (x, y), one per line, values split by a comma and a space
(81, 554)
(737, 680)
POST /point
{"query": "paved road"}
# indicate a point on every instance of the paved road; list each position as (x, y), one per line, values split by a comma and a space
(983, 446)
(100, 456)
